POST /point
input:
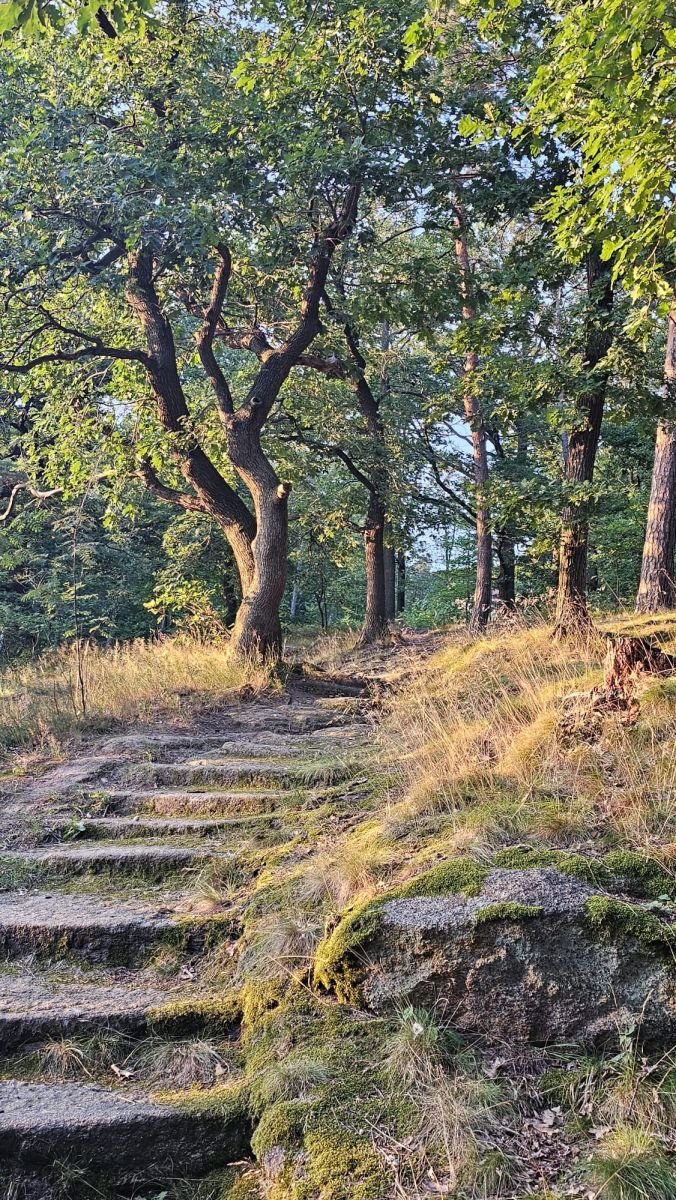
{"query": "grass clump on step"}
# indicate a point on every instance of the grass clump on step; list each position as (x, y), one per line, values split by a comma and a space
(631, 1165)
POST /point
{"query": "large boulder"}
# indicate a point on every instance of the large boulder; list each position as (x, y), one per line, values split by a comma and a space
(536, 955)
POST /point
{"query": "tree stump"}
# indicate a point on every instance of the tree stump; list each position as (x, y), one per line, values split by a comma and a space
(627, 659)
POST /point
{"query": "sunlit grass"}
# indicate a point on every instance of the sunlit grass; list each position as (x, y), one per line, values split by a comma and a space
(54, 696)
(482, 762)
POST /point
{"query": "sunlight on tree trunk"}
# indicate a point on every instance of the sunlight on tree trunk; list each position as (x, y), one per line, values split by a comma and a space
(657, 588)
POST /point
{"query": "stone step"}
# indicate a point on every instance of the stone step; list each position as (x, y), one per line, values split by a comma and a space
(121, 932)
(238, 805)
(113, 1135)
(168, 748)
(40, 1007)
(77, 858)
(149, 827)
(210, 773)
(34, 1009)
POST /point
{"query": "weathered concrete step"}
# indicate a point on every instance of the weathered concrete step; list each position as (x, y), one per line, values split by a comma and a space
(35, 1009)
(167, 747)
(43, 1125)
(76, 858)
(208, 772)
(238, 805)
(141, 827)
(100, 931)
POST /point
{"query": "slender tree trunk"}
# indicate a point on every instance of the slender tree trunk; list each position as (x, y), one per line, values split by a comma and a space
(657, 588)
(375, 617)
(401, 582)
(571, 601)
(481, 604)
(390, 582)
(294, 603)
(506, 580)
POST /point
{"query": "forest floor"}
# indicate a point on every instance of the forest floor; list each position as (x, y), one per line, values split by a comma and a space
(167, 891)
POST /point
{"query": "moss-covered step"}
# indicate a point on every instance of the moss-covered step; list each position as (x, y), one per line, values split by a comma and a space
(124, 931)
(153, 827)
(45, 1128)
(37, 1008)
(528, 955)
(174, 802)
(209, 773)
(77, 858)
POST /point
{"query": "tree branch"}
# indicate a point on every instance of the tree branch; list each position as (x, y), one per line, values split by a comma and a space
(172, 495)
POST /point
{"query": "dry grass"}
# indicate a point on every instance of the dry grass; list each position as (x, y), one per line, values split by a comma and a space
(44, 699)
(483, 765)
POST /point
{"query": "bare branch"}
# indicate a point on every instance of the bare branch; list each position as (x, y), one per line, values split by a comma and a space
(22, 486)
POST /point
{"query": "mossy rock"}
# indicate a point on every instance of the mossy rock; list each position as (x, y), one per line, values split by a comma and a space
(334, 957)
(537, 954)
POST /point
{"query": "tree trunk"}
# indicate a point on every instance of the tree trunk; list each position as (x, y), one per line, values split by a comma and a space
(294, 604)
(375, 617)
(401, 582)
(506, 580)
(571, 602)
(481, 604)
(258, 631)
(390, 582)
(657, 588)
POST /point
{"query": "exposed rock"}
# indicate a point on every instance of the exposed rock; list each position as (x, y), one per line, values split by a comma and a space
(536, 956)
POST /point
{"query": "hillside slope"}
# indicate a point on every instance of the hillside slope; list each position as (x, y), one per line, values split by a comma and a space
(199, 918)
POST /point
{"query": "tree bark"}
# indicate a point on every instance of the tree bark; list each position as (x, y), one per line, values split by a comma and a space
(257, 631)
(375, 618)
(657, 588)
(571, 602)
(213, 493)
(401, 582)
(481, 604)
(506, 580)
(390, 582)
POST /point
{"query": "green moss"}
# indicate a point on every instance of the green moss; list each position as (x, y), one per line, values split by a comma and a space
(334, 961)
(335, 966)
(213, 1015)
(507, 911)
(621, 869)
(337, 1171)
(458, 875)
(611, 917)
(228, 1100)
(258, 997)
(281, 1125)
(325, 1122)
(643, 875)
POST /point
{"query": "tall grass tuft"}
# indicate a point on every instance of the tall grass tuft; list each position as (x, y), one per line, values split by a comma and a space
(43, 699)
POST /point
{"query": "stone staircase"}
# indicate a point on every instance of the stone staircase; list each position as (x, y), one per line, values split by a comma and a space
(101, 939)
